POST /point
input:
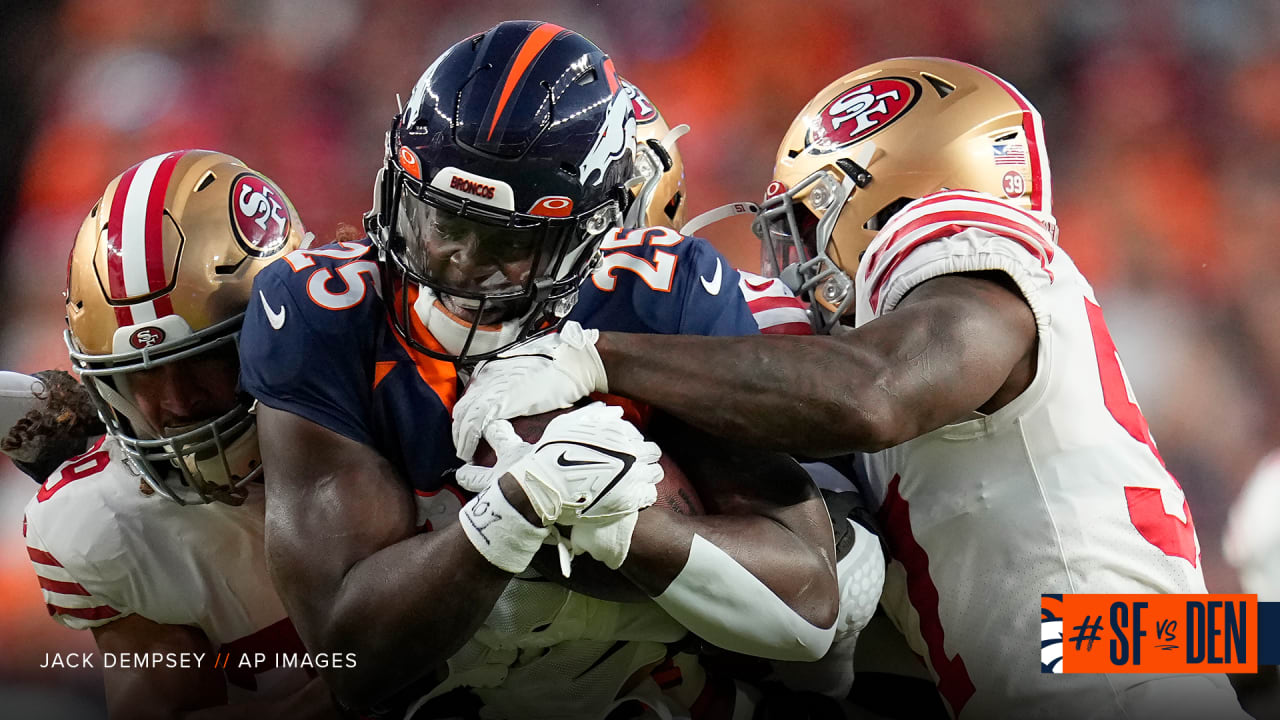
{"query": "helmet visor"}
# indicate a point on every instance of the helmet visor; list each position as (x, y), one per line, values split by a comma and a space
(464, 256)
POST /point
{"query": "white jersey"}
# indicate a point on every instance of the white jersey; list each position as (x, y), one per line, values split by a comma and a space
(1252, 539)
(102, 550)
(776, 309)
(1060, 491)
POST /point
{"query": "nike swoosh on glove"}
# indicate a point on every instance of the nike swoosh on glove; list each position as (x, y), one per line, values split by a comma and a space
(547, 373)
(588, 464)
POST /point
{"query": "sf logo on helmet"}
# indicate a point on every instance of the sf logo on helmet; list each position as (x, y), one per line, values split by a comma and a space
(262, 224)
(146, 337)
(861, 111)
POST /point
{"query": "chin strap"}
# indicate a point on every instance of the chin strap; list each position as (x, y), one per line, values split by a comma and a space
(724, 212)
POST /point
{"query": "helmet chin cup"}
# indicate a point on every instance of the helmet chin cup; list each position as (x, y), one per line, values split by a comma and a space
(790, 276)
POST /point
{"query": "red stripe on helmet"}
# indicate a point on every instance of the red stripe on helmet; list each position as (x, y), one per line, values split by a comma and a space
(1040, 199)
(154, 229)
(115, 263)
(534, 44)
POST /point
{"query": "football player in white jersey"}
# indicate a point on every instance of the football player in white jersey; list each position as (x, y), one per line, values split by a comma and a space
(152, 537)
(964, 354)
(1251, 544)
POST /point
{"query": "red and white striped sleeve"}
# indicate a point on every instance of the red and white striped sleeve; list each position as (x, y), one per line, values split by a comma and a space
(78, 555)
(776, 310)
(955, 231)
(66, 596)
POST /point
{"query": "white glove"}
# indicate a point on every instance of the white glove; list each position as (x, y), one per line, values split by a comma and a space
(499, 532)
(508, 447)
(589, 463)
(607, 541)
(547, 373)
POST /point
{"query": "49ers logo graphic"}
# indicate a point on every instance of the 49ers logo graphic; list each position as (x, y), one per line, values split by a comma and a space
(860, 112)
(640, 105)
(259, 215)
(146, 337)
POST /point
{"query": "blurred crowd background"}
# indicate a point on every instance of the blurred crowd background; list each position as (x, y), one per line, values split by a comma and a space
(1162, 116)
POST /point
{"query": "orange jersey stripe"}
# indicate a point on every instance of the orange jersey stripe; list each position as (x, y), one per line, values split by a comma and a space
(441, 375)
(537, 40)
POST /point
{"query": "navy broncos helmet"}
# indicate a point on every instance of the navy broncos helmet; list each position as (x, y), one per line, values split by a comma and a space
(504, 171)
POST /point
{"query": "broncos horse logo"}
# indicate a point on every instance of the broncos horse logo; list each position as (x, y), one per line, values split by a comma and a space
(617, 136)
(1051, 633)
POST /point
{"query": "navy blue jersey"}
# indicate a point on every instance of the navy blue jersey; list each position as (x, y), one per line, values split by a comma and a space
(317, 343)
(655, 280)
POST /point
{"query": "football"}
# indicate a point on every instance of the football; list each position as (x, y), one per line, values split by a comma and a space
(589, 576)
(674, 492)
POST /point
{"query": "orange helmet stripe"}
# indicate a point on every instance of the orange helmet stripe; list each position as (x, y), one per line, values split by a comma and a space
(537, 40)
(611, 75)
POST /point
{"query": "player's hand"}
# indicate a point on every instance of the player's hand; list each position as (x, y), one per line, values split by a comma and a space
(544, 374)
(589, 464)
(508, 448)
(607, 541)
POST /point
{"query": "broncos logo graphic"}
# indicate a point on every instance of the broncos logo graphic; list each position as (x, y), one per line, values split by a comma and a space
(1051, 633)
(617, 136)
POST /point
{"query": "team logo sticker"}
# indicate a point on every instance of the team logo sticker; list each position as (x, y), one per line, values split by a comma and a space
(409, 161)
(1050, 633)
(1013, 184)
(615, 138)
(774, 189)
(146, 337)
(258, 215)
(861, 112)
(640, 105)
(553, 206)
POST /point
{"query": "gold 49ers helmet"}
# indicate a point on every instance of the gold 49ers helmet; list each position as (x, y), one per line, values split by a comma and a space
(161, 271)
(873, 141)
(660, 198)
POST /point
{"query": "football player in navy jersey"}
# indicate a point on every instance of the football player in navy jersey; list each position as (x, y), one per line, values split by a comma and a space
(496, 217)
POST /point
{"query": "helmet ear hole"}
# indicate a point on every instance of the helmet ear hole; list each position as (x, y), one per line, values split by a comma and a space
(882, 216)
(673, 205)
(942, 87)
(205, 181)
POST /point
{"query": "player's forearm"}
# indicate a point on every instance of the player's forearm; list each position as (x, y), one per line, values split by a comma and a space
(746, 583)
(402, 611)
(813, 395)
